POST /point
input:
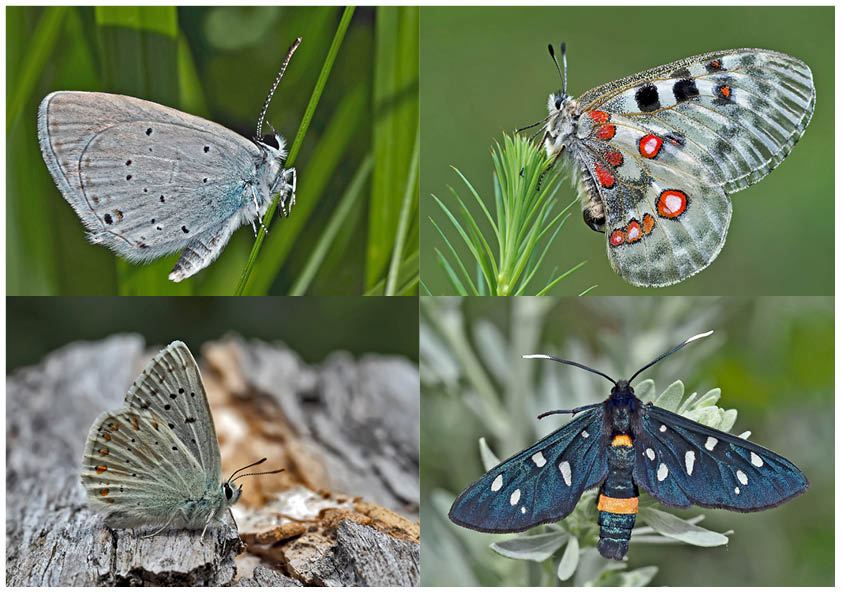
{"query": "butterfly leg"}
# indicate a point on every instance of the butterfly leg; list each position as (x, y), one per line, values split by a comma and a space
(257, 208)
(204, 249)
(289, 183)
(207, 524)
(546, 171)
(167, 524)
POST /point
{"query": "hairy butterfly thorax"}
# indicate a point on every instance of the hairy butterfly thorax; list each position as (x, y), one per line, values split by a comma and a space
(619, 446)
(656, 154)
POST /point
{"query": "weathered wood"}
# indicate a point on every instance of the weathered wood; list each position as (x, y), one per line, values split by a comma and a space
(348, 427)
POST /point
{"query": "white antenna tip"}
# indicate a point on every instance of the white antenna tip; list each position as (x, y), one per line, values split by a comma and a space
(536, 356)
(699, 336)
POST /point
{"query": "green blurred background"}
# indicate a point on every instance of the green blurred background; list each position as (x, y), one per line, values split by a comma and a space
(218, 63)
(313, 326)
(773, 358)
(486, 71)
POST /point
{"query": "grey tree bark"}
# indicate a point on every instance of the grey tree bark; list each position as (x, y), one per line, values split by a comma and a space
(344, 513)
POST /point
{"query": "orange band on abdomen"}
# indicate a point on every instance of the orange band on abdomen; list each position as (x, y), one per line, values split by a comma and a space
(619, 505)
(622, 440)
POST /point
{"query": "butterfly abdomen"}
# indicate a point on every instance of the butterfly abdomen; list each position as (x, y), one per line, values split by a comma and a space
(617, 500)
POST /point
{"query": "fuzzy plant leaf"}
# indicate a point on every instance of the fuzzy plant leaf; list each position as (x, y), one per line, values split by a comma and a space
(677, 528)
(535, 548)
(569, 560)
(489, 459)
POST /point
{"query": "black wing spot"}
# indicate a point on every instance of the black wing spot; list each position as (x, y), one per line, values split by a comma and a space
(149, 132)
(685, 89)
(184, 229)
(647, 98)
(189, 420)
(108, 218)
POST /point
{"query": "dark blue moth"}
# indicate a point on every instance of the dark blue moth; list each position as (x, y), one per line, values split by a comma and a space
(623, 444)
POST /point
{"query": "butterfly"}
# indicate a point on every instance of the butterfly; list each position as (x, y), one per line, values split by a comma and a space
(620, 445)
(147, 180)
(156, 461)
(655, 155)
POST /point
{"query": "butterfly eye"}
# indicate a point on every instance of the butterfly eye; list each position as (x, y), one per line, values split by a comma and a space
(228, 491)
(558, 101)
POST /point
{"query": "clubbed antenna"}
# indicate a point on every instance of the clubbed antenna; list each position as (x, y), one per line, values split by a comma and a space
(562, 76)
(291, 51)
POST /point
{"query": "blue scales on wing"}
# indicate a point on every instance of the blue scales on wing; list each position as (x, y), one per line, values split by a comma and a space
(682, 463)
(540, 484)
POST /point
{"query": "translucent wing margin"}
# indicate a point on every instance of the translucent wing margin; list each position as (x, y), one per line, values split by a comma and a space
(540, 484)
(682, 463)
(171, 387)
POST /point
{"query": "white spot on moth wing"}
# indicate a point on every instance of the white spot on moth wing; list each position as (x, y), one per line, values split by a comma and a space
(662, 472)
(737, 490)
(650, 453)
(756, 460)
(710, 442)
(497, 483)
(523, 510)
(743, 479)
(689, 461)
(585, 434)
(566, 474)
(538, 459)
(515, 497)
(663, 428)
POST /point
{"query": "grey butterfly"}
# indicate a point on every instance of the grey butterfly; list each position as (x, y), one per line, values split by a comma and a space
(156, 461)
(656, 154)
(148, 180)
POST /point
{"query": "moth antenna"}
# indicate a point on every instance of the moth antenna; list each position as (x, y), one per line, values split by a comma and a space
(573, 411)
(557, 67)
(278, 78)
(569, 363)
(670, 352)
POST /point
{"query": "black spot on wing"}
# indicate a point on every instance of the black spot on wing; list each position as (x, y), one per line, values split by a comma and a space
(647, 98)
(685, 89)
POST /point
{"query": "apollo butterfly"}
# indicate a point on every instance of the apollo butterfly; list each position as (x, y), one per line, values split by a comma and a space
(657, 153)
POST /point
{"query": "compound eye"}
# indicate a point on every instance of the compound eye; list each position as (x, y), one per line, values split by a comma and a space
(558, 102)
(228, 491)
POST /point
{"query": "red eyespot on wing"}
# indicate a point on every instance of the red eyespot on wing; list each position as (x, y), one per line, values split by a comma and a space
(604, 176)
(599, 117)
(617, 237)
(648, 223)
(633, 232)
(672, 203)
(606, 132)
(615, 158)
(650, 145)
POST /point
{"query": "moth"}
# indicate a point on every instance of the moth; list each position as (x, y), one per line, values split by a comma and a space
(621, 445)
(656, 155)
(147, 180)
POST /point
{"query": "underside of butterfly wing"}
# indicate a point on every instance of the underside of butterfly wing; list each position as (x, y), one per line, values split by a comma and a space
(145, 179)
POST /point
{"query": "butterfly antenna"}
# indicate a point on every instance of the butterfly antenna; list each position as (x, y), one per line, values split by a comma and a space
(291, 51)
(670, 352)
(263, 460)
(557, 67)
(564, 62)
(257, 473)
(569, 363)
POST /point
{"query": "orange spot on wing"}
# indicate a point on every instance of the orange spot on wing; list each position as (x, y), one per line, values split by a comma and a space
(604, 176)
(101, 469)
(618, 505)
(107, 436)
(648, 223)
(599, 117)
(650, 146)
(614, 158)
(606, 132)
(114, 427)
(633, 232)
(726, 91)
(135, 424)
(103, 452)
(103, 492)
(617, 237)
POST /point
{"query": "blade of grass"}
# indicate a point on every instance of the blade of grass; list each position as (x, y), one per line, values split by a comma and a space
(462, 233)
(410, 197)
(455, 256)
(395, 107)
(588, 290)
(299, 139)
(407, 276)
(560, 277)
(451, 274)
(340, 215)
(41, 47)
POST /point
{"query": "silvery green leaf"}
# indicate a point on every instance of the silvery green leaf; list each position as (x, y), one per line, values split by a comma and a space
(531, 547)
(710, 398)
(592, 566)
(489, 459)
(645, 390)
(745, 435)
(671, 397)
(569, 560)
(639, 577)
(729, 418)
(438, 360)
(677, 528)
(707, 416)
(686, 404)
(492, 349)
(442, 500)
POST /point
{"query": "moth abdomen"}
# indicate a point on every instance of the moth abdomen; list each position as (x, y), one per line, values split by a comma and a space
(618, 500)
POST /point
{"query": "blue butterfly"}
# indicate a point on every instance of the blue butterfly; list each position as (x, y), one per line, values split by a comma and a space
(623, 444)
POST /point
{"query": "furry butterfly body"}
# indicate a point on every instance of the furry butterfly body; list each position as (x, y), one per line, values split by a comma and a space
(656, 155)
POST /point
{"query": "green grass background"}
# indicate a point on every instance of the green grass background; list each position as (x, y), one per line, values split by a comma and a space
(772, 357)
(218, 63)
(486, 70)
